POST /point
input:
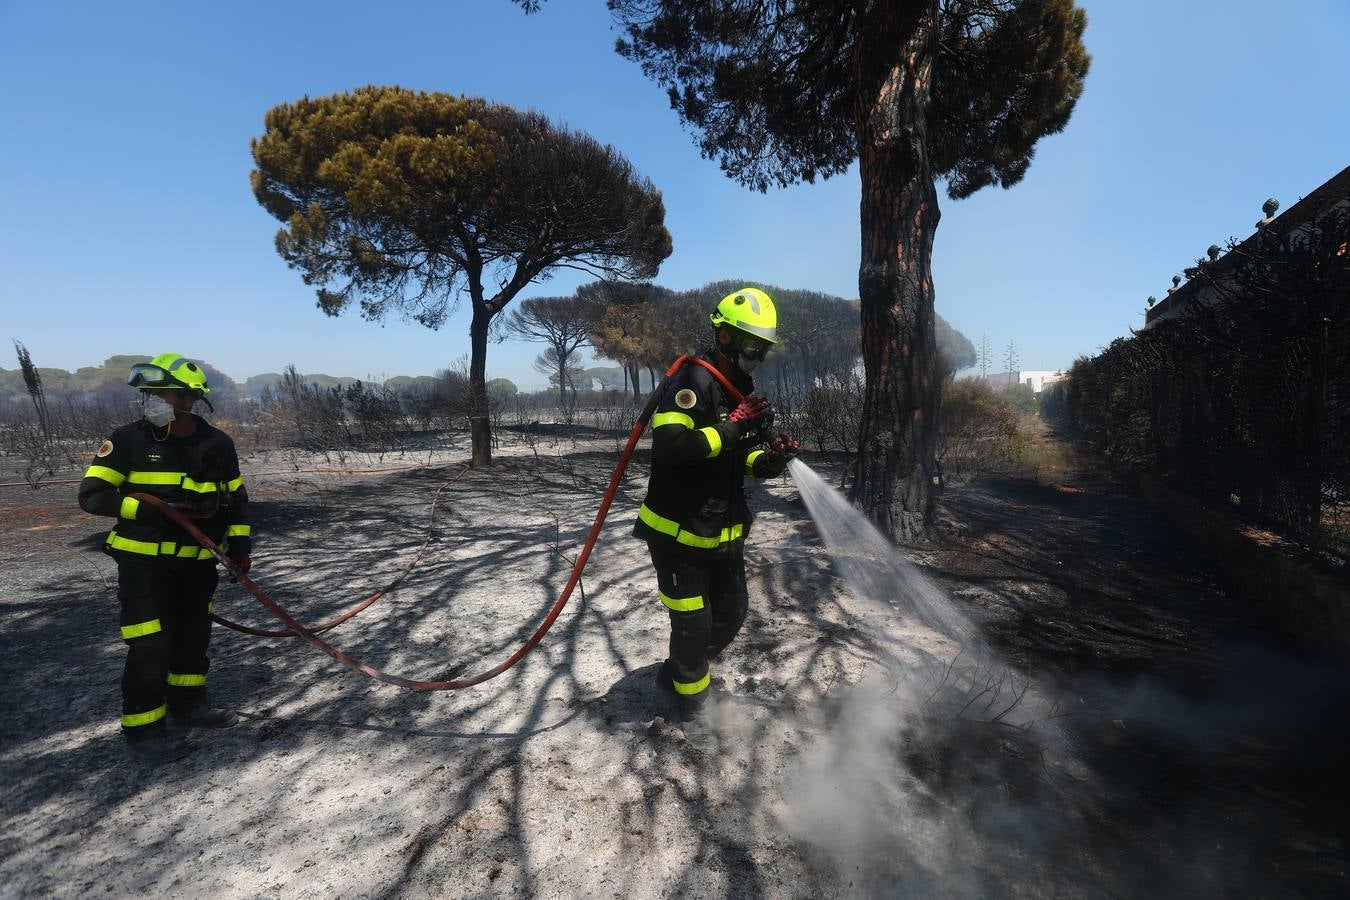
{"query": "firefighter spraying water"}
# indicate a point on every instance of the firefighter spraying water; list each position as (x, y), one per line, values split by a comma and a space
(707, 435)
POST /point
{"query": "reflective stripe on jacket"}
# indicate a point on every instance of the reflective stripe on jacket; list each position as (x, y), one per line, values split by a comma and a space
(695, 499)
(200, 471)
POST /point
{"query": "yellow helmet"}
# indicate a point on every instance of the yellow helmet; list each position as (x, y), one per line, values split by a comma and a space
(169, 371)
(749, 310)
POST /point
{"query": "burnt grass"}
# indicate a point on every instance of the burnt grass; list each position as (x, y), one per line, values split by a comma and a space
(1217, 745)
(1214, 750)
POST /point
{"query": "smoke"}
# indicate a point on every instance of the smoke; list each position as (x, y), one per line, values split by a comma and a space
(944, 768)
(946, 666)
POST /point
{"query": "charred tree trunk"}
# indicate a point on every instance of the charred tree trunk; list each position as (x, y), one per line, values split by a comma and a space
(480, 425)
(899, 215)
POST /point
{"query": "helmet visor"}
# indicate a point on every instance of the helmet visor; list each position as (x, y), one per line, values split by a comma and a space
(146, 375)
(752, 347)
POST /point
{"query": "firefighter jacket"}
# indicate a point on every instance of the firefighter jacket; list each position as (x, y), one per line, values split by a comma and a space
(695, 499)
(200, 471)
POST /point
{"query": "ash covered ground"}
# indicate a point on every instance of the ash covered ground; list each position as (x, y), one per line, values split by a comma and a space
(1181, 746)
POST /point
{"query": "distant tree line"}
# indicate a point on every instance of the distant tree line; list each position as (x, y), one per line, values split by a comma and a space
(813, 374)
(644, 327)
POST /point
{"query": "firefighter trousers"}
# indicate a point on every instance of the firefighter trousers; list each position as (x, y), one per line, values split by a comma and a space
(166, 623)
(707, 602)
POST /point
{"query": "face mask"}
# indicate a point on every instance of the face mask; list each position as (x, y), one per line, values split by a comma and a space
(157, 410)
(749, 354)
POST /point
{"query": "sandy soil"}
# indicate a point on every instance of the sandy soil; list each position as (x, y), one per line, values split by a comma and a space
(1193, 751)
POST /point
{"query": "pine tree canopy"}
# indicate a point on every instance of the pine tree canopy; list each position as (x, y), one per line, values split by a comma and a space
(399, 199)
(773, 86)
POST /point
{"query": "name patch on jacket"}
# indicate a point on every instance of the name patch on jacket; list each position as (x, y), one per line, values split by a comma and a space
(685, 398)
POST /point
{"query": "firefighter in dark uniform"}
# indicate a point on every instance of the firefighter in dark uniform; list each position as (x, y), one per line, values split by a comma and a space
(695, 518)
(165, 579)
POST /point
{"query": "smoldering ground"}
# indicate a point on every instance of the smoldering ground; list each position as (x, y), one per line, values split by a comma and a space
(944, 771)
(829, 767)
(935, 767)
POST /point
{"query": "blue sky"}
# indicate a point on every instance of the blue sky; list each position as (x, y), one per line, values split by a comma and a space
(127, 224)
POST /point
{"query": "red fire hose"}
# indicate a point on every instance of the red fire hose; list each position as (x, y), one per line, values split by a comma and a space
(311, 635)
(333, 623)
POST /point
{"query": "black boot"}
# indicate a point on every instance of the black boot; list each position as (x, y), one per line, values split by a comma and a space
(199, 715)
(664, 679)
(153, 744)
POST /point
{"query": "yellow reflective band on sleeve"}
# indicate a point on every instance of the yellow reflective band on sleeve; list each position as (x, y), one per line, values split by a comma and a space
(175, 479)
(112, 476)
(129, 507)
(694, 540)
(145, 548)
(714, 440)
(201, 487)
(161, 548)
(672, 418)
(728, 534)
(145, 718)
(210, 606)
(693, 687)
(660, 523)
(186, 680)
(686, 604)
(239, 531)
(750, 461)
(235, 484)
(156, 477)
(140, 629)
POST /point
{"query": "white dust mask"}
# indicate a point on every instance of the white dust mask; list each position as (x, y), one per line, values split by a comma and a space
(157, 410)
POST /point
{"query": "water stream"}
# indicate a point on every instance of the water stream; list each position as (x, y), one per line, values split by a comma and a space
(930, 776)
(962, 674)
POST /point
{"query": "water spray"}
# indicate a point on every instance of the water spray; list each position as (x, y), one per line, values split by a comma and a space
(975, 681)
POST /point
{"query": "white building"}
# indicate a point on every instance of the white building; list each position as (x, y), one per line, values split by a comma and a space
(1036, 379)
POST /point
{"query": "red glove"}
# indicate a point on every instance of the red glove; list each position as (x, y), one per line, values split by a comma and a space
(785, 445)
(751, 414)
(750, 410)
(779, 453)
